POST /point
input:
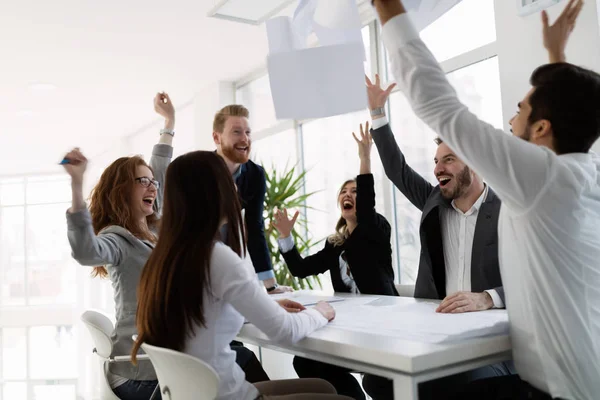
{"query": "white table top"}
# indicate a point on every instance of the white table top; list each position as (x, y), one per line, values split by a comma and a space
(383, 351)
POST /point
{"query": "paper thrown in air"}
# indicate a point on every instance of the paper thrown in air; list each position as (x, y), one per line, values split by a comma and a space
(424, 12)
(320, 81)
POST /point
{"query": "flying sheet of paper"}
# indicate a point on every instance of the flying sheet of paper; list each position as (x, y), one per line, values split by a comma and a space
(306, 298)
(321, 81)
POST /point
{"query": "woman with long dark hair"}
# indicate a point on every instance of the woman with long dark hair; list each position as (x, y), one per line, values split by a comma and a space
(196, 290)
(116, 237)
(358, 256)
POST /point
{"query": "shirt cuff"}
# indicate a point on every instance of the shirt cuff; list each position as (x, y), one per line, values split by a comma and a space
(263, 276)
(498, 303)
(286, 244)
(322, 321)
(379, 122)
(398, 31)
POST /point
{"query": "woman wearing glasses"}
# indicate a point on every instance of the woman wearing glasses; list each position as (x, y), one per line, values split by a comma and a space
(116, 236)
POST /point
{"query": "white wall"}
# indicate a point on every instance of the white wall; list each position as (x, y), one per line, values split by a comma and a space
(520, 48)
(207, 102)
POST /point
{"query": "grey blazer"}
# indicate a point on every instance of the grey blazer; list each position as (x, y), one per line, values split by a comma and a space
(431, 278)
(124, 256)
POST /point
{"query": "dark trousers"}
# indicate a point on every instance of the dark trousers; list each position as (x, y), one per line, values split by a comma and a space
(341, 378)
(383, 389)
(247, 360)
(501, 388)
(137, 390)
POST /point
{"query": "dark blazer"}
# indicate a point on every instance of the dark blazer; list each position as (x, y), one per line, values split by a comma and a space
(368, 251)
(431, 279)
(252, 186)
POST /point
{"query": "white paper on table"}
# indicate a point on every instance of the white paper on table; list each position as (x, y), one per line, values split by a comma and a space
(321, 81)
(306, 298)
(418, 321)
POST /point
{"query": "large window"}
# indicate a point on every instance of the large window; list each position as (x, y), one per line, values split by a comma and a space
(256, 96)
(37, 273)
(467, 26)
(478, 86)
(35, 258)
(278, 150)
(462, 36)
(38, 363)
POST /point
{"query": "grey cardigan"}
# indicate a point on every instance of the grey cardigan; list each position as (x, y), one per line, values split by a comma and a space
(124, 256)
(431, 279)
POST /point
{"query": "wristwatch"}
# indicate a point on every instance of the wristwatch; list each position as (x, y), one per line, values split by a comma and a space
(167, 131)
(376, 112)
(272, 288)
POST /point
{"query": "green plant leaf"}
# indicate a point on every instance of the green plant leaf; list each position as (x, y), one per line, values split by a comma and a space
(285, 190)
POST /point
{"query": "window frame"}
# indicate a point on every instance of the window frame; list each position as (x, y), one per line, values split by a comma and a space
(27, 315)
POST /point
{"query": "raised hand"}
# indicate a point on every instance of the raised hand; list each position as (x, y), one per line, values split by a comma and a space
(377, 96)
(364, 143)
(283, 223)
(164, 107)
(557, 34)
(76, 165)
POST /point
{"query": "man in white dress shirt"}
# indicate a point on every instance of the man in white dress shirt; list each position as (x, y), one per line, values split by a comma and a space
(549, 184)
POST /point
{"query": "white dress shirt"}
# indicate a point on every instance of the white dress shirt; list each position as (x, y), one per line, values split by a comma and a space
(458, 232)
(549, 240)
(235, 294)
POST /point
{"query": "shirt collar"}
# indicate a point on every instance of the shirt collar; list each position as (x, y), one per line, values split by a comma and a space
(477, 205)
(236, 174)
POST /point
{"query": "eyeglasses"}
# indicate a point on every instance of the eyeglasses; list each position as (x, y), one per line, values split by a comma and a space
(145, 182)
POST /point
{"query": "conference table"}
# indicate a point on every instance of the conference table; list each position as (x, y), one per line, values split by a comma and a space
(404, 357)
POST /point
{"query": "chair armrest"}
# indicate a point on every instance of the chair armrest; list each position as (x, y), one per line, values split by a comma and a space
(128, 358)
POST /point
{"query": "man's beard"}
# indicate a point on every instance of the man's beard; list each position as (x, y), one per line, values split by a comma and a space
(463, 181)
(233, 155)
(527, 134)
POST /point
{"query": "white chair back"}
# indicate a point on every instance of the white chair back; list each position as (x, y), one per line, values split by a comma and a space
(406, 290)
(100, 328)
(181, 376)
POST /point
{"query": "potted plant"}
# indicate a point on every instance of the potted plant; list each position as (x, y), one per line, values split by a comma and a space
(285, 190)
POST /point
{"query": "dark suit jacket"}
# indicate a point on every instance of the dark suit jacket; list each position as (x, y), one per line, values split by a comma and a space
(252, 186)
(368, 251)
(431, 279)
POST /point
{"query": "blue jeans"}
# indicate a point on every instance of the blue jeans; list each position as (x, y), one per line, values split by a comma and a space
(137, 390)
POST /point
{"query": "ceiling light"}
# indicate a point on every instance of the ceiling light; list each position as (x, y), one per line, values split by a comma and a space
(253, 12)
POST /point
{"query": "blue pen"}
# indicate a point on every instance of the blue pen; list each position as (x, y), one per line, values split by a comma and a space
(64, 161)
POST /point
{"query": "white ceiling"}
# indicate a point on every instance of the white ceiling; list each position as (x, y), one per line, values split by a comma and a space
(107, 59)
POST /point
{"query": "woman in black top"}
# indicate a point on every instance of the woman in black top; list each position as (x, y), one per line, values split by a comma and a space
(358, 256)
